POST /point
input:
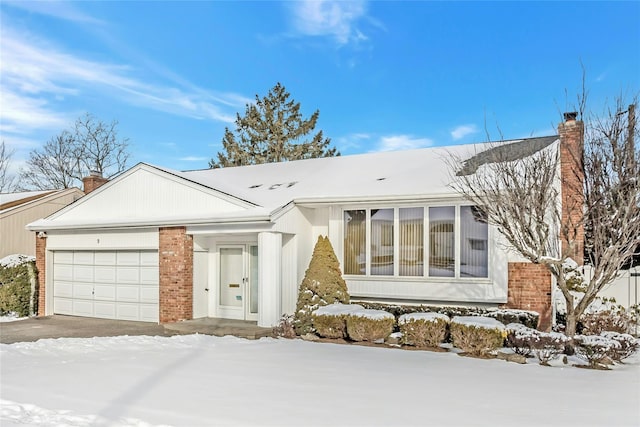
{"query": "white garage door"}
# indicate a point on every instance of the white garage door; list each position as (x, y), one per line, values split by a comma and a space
(107, 284)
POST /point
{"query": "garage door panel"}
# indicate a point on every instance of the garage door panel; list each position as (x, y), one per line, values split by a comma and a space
(128, 275)
(63, 257)
(105, 292)
(128, 258)
(107, 284)
(85, 258)
(105, 274)
(149, 258)
(63, 272)
(149, 294)
(105, 310)
(128, 293)
(105, 258)
(83, 273)
(83, 290)
(63, 289)
(63, 306)
(149, 275)
(82, 308)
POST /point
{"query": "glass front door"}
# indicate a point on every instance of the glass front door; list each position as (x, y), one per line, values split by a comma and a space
(238, 282)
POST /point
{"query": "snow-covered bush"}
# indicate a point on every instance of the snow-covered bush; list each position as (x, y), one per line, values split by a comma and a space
(476, 335)
(545, 345)
(604, 314)
(285, 328)
(423, 329)
(18, 277)
(369, 325)
(628, 345)
(330, 321)
(527, 318)
(322, 285)
(595, 348)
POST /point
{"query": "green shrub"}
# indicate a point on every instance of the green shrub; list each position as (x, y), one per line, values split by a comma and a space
(370, 325)
(423, 329)
(330, 321)
(322, 285)
(476, 335)
(16, 274)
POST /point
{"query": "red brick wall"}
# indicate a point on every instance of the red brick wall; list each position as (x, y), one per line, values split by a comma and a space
(530, 289)
(176, 274)
(572, 176)
(92, 182)
(41, 254)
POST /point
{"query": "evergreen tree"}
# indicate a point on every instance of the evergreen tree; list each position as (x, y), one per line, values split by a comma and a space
(322, 285)
(272, 130)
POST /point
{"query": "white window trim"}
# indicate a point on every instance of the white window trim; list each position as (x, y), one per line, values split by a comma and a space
(426, 244)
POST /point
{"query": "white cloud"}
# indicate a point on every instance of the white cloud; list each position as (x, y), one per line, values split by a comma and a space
(36, 75)
(58, 9)
(402, 142)
(335, 19)
(193, 159)
(462, 131)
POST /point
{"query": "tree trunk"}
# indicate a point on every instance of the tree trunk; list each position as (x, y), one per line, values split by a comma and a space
(570, 331)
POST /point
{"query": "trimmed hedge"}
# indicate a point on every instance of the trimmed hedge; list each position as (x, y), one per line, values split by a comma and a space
(423, 329)
(330, 321)
(546, 345)
(16, 273)
(370, 325)
(505, 316)
(477, 336)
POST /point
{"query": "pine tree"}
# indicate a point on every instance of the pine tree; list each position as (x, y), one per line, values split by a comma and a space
(272, 130)
(322, 285)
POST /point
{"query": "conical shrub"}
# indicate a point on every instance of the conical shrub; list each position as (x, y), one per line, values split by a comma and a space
(322, 285)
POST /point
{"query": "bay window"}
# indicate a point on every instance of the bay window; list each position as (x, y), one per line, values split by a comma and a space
(392, 242)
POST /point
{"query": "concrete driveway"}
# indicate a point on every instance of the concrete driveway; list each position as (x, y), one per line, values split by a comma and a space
(58, 326)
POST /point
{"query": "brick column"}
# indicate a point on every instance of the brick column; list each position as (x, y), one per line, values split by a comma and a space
(572, 181)
(176, 274)
(41, 266)
(530, 289)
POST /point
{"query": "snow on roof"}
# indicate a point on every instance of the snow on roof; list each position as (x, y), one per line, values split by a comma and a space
(13, 199)
(397, 174)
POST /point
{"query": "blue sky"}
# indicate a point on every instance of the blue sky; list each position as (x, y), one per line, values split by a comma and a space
(384, 75)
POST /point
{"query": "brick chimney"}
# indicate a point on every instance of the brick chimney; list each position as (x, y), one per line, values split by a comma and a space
(571, 133)
(93, 181)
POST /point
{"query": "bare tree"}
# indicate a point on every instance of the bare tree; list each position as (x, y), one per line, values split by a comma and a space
(7, 180)
(92, 145)
(520, 195)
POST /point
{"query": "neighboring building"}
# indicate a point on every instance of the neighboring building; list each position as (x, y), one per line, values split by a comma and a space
(19, 209)
(160, 245)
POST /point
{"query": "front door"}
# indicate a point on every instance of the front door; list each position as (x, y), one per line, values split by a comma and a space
(238, 282)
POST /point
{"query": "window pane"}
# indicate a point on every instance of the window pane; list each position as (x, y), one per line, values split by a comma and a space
(355, 254)
(411, 241)
(473, 239)
(442, 241)
(382, 242)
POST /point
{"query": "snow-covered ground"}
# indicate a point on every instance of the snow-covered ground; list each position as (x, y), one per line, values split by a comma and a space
(199, 380)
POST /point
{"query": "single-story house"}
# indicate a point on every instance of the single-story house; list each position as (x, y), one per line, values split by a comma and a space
(21, 208)
(160, 245)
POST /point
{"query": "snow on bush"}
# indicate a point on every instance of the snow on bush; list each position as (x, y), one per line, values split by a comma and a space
(628, 345)
(545, 345)
(595, 348)
(285, 328)
(423, 329)
(510, 315)
(15, 260)
(330, 321)
(369, 325)
(477, 336)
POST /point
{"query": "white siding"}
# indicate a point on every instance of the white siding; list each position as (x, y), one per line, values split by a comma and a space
(147, 195)
(103, 240)
(290, 282)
